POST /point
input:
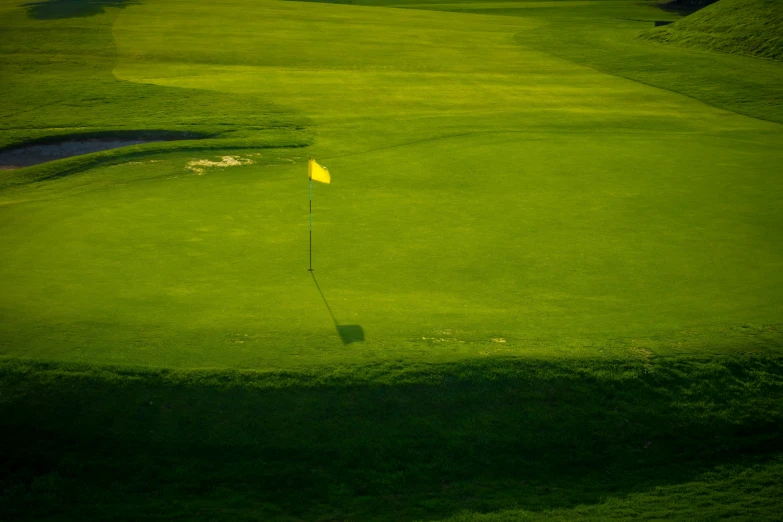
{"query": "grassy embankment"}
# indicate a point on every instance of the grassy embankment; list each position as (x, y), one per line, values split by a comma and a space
(587, 440)
(529, 246)
(749, 27)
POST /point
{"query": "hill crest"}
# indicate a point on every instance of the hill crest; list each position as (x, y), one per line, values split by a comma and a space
(747, 27)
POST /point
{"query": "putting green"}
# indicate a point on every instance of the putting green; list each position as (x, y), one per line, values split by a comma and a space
(488, 199)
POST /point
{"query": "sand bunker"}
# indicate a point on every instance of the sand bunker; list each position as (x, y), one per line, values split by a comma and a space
(198, 166)
(35, 154)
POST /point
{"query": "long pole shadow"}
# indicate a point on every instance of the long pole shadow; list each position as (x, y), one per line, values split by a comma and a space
(349, 333)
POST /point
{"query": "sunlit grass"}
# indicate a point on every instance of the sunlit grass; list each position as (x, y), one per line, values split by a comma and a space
(482, 188)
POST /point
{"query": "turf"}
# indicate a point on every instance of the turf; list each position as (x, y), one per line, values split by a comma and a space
(57, 59)
(511, 231)
(482, 204)
(749, 27)
(497, 439)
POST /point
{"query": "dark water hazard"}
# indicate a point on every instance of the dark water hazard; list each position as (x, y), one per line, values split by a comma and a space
(35, 154)
(54, 9)
(685, 7)
(67, 146)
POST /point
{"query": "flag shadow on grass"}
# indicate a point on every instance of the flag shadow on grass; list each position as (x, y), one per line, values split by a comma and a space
(349, 333)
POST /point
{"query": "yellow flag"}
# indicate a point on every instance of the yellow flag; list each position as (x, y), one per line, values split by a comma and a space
(318, 173)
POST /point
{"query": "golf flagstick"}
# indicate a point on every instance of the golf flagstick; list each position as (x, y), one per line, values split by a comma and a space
(318, 173)
(311, 225)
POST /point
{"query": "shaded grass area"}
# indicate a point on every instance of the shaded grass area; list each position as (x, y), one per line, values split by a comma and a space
(55, 9)
(394, 442)
(749, 27)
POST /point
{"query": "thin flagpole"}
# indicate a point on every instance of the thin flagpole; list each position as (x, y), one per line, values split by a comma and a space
(311, 225)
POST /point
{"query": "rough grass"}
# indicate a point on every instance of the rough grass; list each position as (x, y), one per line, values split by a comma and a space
(748, 27)
(498, 439)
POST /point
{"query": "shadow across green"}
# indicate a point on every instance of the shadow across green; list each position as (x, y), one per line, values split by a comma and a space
(383, 442)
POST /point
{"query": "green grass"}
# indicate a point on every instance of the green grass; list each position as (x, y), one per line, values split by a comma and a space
(57, 65)
(604, 35)
(749, 27)
(530, 242)
(498, 439)
(482, 191)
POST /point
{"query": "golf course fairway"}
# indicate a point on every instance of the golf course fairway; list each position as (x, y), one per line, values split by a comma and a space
(513, 183)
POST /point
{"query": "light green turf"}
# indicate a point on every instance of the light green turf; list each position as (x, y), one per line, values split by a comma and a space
(604, 35)
(488, 198)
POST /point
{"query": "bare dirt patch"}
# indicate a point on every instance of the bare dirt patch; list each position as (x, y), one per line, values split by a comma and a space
(198, 166)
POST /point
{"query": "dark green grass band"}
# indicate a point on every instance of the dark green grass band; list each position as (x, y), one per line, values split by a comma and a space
(391, 442)
(748, 27)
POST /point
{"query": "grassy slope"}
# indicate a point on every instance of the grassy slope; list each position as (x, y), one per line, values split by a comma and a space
(749, 27)
(202, 274)
(539, 440)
